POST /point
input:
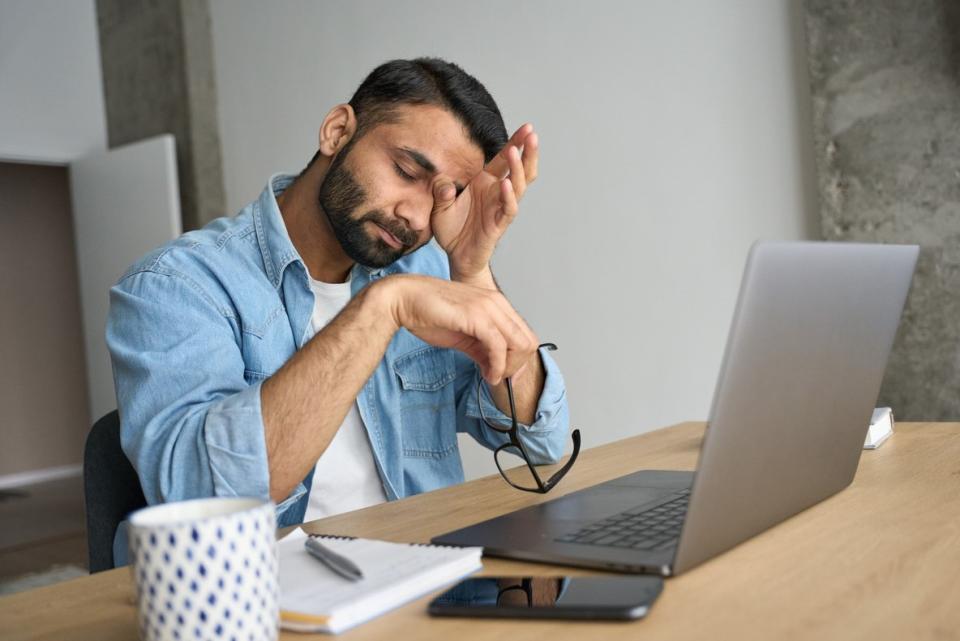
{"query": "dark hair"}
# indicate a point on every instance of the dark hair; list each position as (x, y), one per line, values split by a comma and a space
(430, 81)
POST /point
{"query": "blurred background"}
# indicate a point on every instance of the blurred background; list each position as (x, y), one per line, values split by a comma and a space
(673, 133)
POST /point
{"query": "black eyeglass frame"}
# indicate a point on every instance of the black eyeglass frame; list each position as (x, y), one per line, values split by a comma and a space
(513, 433)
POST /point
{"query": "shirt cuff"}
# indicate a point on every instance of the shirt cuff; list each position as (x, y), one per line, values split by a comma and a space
(288, 502)
(236, 445)
(549, 407)
(237, 449)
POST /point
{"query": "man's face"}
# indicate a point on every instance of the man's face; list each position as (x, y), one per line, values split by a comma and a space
(378, 191)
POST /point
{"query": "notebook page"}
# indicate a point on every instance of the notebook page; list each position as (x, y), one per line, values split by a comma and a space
(393, 573)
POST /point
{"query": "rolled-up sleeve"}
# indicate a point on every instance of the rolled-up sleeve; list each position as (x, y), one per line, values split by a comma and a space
(191, 423)
(545, 438)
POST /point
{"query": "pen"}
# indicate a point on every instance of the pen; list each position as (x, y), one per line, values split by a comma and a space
(339, 564)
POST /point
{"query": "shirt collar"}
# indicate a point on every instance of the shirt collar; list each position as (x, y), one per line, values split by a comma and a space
(275, 245)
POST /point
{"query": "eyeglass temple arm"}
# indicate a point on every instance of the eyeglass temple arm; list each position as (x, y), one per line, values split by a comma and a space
(517, 442)
(556, 476)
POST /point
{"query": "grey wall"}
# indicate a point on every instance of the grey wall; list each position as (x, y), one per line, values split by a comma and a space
(673, 135)
(885, 78)
(51, 98)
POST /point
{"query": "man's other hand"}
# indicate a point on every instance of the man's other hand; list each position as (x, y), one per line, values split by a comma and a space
(477, 321)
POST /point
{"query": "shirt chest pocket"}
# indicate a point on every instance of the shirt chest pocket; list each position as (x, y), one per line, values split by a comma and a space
(267, 343)
(428, 413)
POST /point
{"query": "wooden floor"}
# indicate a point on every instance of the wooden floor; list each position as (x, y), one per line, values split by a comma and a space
(43, 531)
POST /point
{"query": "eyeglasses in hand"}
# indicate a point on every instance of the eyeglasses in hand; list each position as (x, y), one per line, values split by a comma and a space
(527, 477)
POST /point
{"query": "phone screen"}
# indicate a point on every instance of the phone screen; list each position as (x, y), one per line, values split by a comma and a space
(551, 596)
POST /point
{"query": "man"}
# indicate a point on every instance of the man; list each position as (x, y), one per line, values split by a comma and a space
(316, 348)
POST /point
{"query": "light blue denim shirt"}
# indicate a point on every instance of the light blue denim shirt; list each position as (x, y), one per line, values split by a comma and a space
(196, 326)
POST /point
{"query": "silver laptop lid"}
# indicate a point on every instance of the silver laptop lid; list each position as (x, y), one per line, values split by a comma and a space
(808, 345)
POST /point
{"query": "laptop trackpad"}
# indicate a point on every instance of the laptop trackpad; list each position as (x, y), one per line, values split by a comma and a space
(533, 525)
(612, 497)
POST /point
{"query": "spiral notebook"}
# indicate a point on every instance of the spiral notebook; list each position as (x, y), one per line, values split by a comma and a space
(315, 599)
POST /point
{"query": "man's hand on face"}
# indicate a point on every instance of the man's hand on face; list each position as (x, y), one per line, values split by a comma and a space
(469, 226)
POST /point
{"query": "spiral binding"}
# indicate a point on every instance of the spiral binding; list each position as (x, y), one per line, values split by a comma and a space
(343, 537)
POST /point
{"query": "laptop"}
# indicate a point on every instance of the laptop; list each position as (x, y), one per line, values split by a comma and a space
(805, 356)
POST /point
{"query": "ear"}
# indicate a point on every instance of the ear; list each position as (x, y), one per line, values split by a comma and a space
(338, 127)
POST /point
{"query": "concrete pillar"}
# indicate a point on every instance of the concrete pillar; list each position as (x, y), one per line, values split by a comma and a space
(158, 77)
(885, 80)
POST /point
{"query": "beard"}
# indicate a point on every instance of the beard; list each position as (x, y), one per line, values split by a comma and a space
(340, 196)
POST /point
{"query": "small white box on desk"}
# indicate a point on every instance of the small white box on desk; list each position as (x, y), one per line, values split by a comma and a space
(881, 427)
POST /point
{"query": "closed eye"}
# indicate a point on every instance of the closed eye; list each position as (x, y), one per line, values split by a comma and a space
(402, 173)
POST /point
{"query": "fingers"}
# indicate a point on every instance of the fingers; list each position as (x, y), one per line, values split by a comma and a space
(514, 343)
(503, 343)
(508, 205)
(522, 166)
(479, 322)
(523, 336)
(518, 175)
(531, 157)
(499, 166)
(444, 194)
(496, 349)
(520, 134)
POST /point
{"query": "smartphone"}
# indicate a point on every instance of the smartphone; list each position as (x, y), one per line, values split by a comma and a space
(550, 597)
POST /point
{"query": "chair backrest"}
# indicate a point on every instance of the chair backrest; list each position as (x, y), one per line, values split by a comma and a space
(111, 488)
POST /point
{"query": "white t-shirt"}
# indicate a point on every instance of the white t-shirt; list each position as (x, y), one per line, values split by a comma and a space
(346, 476)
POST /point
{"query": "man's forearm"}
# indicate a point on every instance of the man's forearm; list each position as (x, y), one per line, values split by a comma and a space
(305, 401)
(527, 388)
(482, 279)
(528, 383)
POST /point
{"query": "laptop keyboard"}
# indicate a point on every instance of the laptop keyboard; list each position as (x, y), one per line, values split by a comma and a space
(656, 528)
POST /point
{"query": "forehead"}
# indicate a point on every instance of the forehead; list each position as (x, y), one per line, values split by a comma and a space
(435, 133)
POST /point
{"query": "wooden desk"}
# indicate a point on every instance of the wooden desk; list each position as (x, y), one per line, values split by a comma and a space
(880, 560)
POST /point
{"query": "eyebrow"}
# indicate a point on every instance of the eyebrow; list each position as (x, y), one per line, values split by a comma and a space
(425, 163)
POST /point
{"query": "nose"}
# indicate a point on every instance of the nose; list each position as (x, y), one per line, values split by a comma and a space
(415, 210)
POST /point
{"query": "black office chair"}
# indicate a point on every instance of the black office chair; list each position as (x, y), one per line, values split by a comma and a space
(111, 487)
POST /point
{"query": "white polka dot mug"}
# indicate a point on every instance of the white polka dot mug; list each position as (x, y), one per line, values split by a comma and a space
(206, 569)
